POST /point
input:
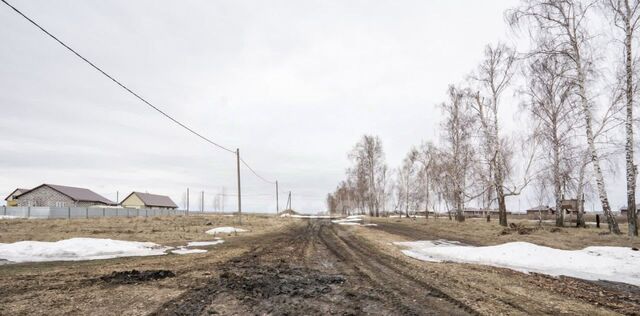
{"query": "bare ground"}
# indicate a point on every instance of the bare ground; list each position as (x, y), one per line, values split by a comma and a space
(304, 267)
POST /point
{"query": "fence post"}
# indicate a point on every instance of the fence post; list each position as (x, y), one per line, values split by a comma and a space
(69, 212)
(86, 211)
(5, 210)
(103, 212)
(28, 211)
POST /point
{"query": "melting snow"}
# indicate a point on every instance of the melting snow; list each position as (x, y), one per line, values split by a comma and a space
(75, 249)
(185, 251)
(223, 230)
(353, 220)
(204, 243)
(618, 264)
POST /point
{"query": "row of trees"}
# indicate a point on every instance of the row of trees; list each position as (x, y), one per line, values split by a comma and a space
(577, 116)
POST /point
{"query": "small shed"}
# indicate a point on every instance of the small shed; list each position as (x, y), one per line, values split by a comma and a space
(12, 198)
(624, 209)
(540, 209)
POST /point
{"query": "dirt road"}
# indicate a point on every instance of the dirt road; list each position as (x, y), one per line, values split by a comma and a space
(314, 269)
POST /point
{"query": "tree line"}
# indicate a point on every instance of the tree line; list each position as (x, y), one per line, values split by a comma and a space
(581, 122)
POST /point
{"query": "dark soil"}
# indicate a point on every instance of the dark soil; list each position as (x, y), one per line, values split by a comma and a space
(135, 276)
(314, 270)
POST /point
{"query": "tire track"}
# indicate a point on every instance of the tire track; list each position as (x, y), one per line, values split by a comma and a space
(387, 271)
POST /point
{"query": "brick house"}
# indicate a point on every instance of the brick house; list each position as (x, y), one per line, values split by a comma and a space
(52, 195)
(147, 200)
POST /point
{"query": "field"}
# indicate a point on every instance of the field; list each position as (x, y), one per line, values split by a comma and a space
(300, 266)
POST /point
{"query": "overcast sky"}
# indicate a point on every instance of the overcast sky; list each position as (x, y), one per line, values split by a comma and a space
(293, 84)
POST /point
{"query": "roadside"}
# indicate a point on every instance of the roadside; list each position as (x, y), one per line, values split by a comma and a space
(499, 290)
(76, 287)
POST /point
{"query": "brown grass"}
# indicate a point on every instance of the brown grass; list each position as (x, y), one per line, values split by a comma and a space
(478, 231)
(168, 230)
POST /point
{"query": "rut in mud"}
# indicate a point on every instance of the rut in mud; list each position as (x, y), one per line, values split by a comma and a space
(317, 269)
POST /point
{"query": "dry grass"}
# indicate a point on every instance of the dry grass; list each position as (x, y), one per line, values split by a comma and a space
(168, 230)
(478, 231)
(63, 288)
(496, 291)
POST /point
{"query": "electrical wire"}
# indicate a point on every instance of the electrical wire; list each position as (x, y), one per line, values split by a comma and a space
(133, 93)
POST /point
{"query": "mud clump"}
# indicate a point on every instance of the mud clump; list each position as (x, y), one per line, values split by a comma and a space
(270, 281)
(135, 276)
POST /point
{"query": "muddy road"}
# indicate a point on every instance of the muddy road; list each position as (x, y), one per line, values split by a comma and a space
(314, 269)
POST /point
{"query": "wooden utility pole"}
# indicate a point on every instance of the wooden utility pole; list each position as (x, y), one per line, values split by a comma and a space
(239, 193)
(289, 201)
(277, 205)
(202, 202)
(187, 200)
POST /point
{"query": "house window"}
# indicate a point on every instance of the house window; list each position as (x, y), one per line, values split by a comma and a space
(60, 204)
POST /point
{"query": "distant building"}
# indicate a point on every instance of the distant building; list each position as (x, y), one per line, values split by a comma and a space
(541, 209)
(60, 196)
(12, 198)
(472, 211)
(624, 210)
(147, 200)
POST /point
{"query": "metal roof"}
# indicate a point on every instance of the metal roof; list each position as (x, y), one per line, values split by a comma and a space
(76, 194)
(154, 199)
(19, 190)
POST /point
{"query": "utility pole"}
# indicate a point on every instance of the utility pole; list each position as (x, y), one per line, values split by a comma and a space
(289, 201)
(202, 202)
(187, 200)
(277, 205)
(117, 197)
(239, 193)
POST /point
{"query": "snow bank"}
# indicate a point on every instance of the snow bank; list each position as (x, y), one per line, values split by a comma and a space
(75, 249)
(617, 264)
(8, 217)
(347, 220)
(311, 216)
(185, 251)
(225, 230)
(204, 243)
(354, 220)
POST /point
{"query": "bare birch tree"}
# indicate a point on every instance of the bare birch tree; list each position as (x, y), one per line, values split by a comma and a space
(561, 23)
(458, 128)
(549, 105)
(626, 17)
(494, 76)
(369, 172)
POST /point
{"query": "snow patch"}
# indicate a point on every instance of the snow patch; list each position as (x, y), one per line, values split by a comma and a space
(204, 243)
(617, 264)
(225, 230)
(8, 217)
(186, 251)
(346, 220)
(311, 216)
(75, 249)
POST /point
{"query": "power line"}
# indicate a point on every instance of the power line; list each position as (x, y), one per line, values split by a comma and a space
(253, 171)
(133, 93)
(116, 81)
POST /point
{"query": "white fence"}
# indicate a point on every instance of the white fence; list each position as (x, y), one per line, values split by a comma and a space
(85, 212)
